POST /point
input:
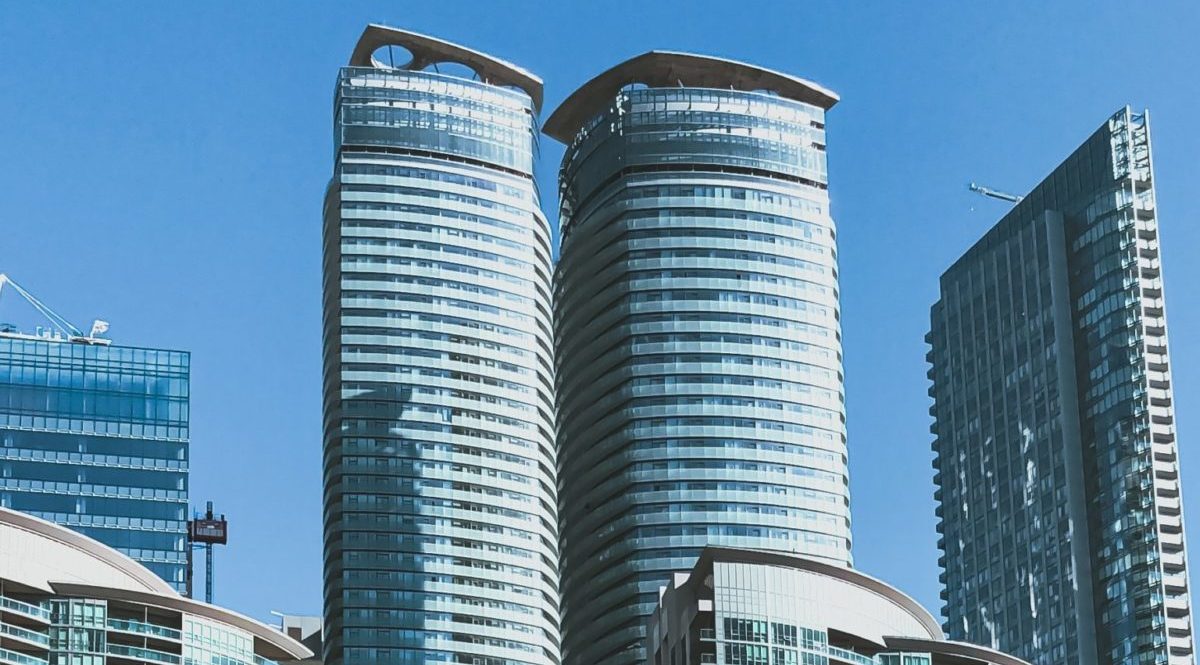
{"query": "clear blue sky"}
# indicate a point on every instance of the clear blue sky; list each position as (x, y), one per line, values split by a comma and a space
(164, 164)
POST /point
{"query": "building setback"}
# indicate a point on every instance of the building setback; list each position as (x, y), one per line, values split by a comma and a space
(766, 608)
(440, 506)
(1057, 471)
(95, 437)
(699, 382)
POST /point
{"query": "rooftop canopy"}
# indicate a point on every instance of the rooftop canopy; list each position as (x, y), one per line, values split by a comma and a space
(662, 69)
(428, 51)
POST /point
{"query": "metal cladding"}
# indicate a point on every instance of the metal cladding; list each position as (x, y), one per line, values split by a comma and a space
(440, 505)
(699, 379)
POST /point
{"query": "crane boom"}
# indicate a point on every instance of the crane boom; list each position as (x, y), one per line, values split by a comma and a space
(995, 193)
(61, 328)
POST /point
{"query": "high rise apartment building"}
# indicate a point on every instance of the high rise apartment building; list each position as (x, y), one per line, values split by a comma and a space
(1057, 470)
(440, 503)
(699, 375)
(94, 437)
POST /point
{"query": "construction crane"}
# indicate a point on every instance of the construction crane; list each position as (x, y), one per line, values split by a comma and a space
(995, 193)
(60, 328)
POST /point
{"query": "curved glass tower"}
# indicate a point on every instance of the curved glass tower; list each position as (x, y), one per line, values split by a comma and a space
(440, 515)
(699, 380)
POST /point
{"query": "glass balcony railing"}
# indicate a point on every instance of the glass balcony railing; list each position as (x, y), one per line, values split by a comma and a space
(13, 658)
(140, 628)
(138, 653)
(849, 656)
(25, 609)
(19, 633)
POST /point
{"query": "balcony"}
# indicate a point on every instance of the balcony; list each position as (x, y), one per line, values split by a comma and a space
(142, 655)
(27, 610)
(8, 657)
(848, 656)
(146, 629)
(33, 637)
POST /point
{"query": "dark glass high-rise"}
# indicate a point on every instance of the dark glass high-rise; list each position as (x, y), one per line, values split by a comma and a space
(94, 437)
(1057, 463)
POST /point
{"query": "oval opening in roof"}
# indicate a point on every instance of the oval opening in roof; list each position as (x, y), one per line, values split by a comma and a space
(392, 57)
(454, 69)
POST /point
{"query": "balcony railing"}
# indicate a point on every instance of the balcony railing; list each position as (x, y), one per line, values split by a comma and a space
(138, 653)
(19, 633)
(14, 658)
(140, 628)
(850, 656)
(25, 609)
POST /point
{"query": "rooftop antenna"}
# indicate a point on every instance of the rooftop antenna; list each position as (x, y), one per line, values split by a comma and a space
(61, 328)
(995, 193)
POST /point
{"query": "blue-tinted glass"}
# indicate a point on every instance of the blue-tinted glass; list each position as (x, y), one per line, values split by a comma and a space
(1058, 478)
(96, 438)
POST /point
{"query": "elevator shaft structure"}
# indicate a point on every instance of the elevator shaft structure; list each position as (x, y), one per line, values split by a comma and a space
(203, 533)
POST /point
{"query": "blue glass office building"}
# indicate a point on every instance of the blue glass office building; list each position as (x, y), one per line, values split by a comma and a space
(1057, 463)
(440, 506)
(699, 377)
(95, 438)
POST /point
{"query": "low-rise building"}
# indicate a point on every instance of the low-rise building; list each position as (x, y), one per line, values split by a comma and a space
(751, 607)
(66, 599)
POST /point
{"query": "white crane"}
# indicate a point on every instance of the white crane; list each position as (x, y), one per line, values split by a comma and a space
(995, 193)
(60, 328)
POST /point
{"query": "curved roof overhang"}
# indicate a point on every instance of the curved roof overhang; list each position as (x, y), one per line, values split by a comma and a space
(763, 557)
(663, 69)
(88, 558)
(131, 571)
(972, 652)
(430, 50)
(268, 642)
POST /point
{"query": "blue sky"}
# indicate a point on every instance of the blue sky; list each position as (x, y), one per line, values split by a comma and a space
(164, 164)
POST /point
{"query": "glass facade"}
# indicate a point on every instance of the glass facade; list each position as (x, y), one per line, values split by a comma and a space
(1057, 468)
(440, 505)
(699, 379)
(95, 438)
(740, 607)
(63, 630)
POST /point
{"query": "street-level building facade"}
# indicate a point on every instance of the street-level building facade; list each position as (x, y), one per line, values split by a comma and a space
(749, 607)
(1057, 466)
(440, 510)
(94, 437)
(699, 377)
(66, 599)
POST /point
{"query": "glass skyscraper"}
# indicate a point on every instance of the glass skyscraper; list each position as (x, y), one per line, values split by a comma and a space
(1057, 471)
(95, 438)
(699, 383)
(440, 500)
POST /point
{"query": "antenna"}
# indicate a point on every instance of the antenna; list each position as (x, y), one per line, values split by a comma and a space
(995, 193)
